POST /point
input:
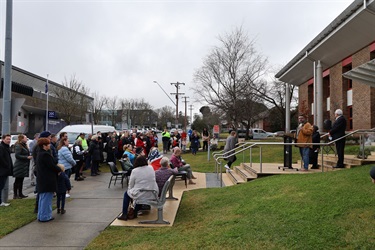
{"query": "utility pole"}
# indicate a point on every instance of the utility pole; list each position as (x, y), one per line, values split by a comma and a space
(191, 112)
(177, 85)
(185, 97)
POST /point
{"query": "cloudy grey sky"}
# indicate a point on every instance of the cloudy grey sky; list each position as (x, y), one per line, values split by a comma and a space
(119, 47)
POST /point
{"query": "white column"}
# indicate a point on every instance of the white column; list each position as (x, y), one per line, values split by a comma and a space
(319, 96)
(287, 108)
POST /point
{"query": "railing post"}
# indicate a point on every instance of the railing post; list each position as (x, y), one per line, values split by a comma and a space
(321, 152)
(221, 176)
(260, 159)
(251, 157)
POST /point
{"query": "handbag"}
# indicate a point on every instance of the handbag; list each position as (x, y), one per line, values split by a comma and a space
(131, 214)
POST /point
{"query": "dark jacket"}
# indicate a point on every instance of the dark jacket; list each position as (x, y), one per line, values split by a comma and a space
(6, 164)
(338, 128)
(78, 152)
(94, 150)
(63, 183)
(46, 172)
(21, 166)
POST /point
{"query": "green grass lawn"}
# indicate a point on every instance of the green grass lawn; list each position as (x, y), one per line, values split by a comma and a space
(332, 210)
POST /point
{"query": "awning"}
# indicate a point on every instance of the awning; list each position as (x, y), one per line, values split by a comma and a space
(364, 73)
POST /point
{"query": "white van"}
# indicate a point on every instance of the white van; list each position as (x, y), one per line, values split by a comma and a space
(73, 131)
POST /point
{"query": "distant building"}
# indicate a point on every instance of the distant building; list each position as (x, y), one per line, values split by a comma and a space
(31, 116)
(342, 56)
(126, 119)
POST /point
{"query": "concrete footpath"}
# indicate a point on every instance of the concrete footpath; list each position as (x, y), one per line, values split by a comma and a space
(92, 207)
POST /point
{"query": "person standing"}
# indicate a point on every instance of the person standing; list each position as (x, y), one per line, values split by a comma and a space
(94, 153)
(21, 166)
(63, 187)
(205, 139)
(314, 151)
(304, 135)
(194, 142)
(230, 144)
(47, 171)
(165, 137)
(31, 147)
(337, 131)
(6, 165)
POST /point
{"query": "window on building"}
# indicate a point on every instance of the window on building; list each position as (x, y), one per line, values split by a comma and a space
(347, 82)
(19, 113)
(350, 117)
(372, 55)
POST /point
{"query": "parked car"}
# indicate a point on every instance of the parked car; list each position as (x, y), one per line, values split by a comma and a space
(279, 133)
(260, 134)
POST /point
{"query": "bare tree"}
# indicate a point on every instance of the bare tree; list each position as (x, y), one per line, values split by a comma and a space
(137, 112)
(98, 105)
(229, 74)
(273, 92)
(165, 114)
(75, 102)
(113, 106)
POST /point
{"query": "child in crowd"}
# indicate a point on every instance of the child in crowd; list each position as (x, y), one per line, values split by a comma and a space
(63, 185)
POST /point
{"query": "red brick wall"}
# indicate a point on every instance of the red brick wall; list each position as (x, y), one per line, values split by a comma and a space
(363, 95)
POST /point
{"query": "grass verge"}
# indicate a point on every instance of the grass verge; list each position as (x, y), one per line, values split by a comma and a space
(333, 210)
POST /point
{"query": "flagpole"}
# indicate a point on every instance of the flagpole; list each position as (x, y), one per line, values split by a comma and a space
(46, 90)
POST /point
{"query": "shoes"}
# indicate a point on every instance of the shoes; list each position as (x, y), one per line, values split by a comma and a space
(23, 196)
(191, 182)
(122, 217)
(67, 195)
(93, 174)
(46, 220)
(58, 210)
(193, 177)
(227, 167)
(63, 211)
(32, 184)
(303, 169)
(97, 173)
(79, 179)
(3, 204)
(337, 167)
(16, 197)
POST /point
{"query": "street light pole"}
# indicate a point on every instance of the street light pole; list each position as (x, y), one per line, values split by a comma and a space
(165, 93)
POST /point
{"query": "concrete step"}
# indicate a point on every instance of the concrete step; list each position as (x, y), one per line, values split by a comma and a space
(244, 173)
(234, 177)
(249, 169)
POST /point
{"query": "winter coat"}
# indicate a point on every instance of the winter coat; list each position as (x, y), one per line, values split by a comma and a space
(229, 145)
(63, 183)
(94, 150)
(78, 152)
(304, 135)
(66, 158)
(21, 166)
(46, 172)
(142, 178)
(6, 163)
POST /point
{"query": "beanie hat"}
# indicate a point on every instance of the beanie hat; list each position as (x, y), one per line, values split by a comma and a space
(372, 173)
(44, 134)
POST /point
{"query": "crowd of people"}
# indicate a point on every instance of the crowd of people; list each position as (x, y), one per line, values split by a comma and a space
(50, 161)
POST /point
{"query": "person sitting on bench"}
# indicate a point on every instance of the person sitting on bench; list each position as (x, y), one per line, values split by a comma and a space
(142, 177)
(163, 173)
(178, 163)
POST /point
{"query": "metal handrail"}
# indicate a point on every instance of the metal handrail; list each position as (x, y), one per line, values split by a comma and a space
(249, 145)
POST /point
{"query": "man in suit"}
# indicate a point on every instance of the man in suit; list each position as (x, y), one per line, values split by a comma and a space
(337, 131)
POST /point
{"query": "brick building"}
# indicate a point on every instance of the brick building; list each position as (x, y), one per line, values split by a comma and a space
(342, 59)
